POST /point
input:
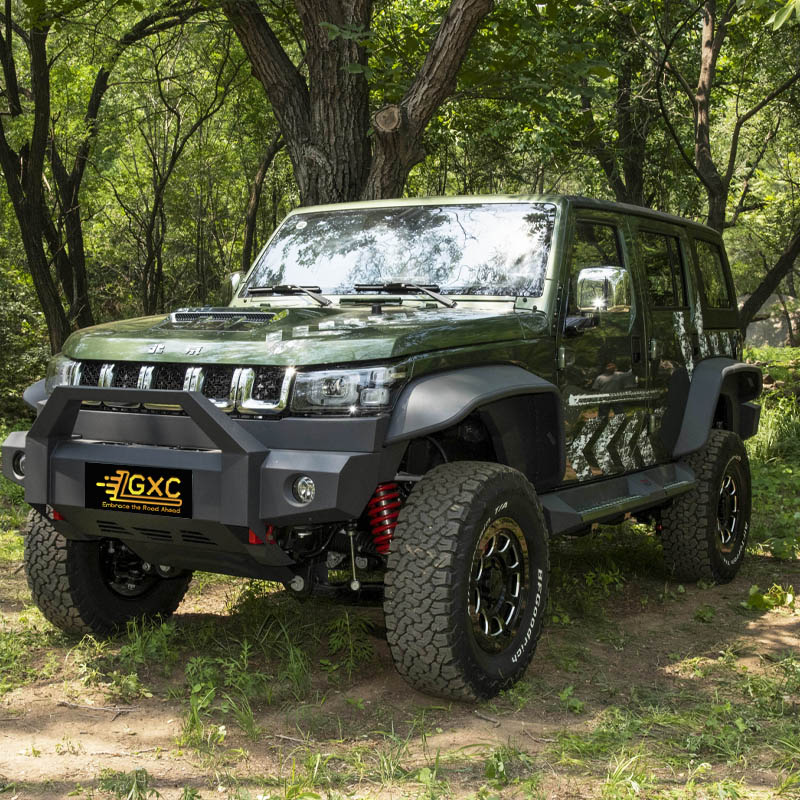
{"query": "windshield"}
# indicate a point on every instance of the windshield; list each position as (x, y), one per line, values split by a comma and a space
(489, 249)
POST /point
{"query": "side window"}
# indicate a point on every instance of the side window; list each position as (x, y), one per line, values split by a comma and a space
(661, 261)
(599, 280)
(712, 273)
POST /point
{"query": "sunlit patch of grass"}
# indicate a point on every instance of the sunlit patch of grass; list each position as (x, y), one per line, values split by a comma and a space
(25, 649)
(776, 508)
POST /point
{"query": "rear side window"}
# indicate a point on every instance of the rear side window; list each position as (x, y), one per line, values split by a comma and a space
(712, 273)
(661, 259)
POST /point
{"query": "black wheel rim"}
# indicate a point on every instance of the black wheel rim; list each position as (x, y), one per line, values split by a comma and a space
(498, 585)
(729, 511)
(123, 572)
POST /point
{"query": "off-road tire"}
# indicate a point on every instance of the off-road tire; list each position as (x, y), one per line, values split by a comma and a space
(428, 580)
(692, 546)
(67, 585)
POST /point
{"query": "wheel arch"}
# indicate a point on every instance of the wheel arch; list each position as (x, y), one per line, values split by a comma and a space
(720, 396)
(522, 414)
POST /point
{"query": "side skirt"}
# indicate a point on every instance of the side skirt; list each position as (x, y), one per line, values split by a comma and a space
(570, 509)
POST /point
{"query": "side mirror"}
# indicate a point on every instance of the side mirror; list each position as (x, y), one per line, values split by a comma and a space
(234, 282)
(600, 289)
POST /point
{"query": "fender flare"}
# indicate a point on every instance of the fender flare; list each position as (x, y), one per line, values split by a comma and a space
(505, 395)
(712, 379)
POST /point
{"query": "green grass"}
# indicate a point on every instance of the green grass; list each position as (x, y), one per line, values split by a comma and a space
(775, 457)
(27, 650)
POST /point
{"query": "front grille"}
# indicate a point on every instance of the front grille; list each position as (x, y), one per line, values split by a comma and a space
(217, 382)
(90, 373)
(126, 374)
(168, 376)
(246, 390)
(267, 384)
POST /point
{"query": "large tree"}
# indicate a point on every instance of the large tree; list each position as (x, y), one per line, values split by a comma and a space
(340, 150)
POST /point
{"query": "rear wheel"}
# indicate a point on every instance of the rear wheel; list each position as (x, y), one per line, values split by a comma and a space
(705, 531)
(94, 586)
(466, 584)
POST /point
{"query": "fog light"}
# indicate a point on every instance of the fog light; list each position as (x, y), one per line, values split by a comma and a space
(18, 464)
(304, 489)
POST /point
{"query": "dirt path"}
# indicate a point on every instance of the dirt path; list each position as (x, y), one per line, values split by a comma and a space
(646, 683)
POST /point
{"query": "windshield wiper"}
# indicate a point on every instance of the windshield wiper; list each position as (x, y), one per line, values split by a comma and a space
(291, 288)
(432, 290)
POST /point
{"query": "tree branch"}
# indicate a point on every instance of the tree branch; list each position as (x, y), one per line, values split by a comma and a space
(740, 207)
(285, 87)
(749, 114)
(771, 282)
(437, 77)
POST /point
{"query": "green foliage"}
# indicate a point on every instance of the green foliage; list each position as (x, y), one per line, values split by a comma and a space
(779, 429)
(149, 643)
(134, 785)
(21, 648)
(570, 702)
(705, 613)
(23, 335)
(348, 637)
(784, 14)
(775, 597)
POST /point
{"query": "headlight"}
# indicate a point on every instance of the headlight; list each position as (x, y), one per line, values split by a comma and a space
(60, 372)
(347, 391)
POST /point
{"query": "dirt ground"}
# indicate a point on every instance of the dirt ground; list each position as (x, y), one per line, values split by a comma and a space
(640, 687)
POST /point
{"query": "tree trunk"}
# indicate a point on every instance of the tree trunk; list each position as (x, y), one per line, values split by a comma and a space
(251, 214)
(772, 280)
(325, 121)
(58, 327)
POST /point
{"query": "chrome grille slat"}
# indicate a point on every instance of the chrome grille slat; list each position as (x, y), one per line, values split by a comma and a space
(251, 391)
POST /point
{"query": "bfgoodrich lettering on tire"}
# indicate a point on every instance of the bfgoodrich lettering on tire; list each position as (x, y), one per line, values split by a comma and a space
(93, 587)
(705, 531)
(467, 577)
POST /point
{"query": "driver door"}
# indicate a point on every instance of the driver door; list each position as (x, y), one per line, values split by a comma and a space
(602, 369)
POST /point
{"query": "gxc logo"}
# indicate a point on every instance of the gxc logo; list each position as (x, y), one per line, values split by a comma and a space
(139, 490)
(124, 486)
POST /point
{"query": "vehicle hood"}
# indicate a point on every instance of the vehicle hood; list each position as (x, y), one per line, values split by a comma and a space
(296, 336)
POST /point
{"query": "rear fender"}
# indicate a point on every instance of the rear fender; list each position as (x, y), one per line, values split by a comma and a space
(721, 391)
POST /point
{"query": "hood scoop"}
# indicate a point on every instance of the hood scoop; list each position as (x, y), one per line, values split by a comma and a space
(215, 318)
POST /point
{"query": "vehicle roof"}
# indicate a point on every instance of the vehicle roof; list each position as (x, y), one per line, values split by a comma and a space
(562, 200)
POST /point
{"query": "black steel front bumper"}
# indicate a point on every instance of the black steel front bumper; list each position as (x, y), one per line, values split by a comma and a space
(242, 472)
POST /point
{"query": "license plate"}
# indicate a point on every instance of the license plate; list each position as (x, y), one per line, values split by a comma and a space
(140, 490)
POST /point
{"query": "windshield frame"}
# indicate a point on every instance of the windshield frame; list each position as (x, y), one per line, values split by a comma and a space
(547, 203)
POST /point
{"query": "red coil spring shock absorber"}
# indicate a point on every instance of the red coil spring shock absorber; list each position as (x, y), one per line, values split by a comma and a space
(382, 512)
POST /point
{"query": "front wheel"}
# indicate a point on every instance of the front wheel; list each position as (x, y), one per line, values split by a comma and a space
(466, 581)
(95, 586)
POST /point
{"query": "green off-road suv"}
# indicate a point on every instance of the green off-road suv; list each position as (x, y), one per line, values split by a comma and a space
(427, 389)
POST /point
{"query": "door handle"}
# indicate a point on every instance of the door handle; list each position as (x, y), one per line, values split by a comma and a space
(655, 350)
